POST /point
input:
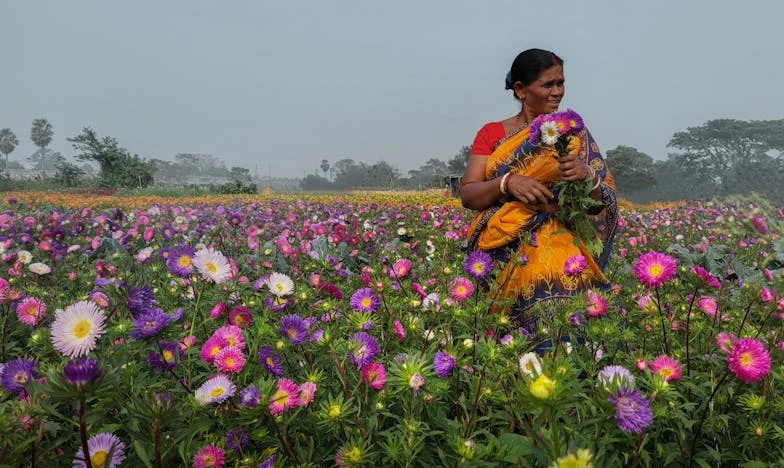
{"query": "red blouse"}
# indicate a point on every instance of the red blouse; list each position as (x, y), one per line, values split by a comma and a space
(486, 139)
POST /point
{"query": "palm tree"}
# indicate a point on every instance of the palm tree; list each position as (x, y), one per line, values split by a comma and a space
(41, 134)
(8, 143)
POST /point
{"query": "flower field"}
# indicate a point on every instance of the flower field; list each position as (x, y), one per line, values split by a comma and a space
(357, 331)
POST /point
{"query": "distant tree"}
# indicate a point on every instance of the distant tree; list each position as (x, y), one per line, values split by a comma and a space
(314, 182)
(68, 174)
(325, 167)
(41, 135)
(16, 165)
(718, 148)
(118, 168)
(8, 143)
(631, 169)
(458, 163)
(240, 173)
(45, 159)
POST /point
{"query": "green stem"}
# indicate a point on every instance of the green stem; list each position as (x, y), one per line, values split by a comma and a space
(83, 433)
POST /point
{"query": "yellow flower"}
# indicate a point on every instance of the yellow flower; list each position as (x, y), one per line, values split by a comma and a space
(582, 460)
(542, 388)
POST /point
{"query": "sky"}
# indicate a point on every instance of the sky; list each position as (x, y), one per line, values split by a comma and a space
(277, 86)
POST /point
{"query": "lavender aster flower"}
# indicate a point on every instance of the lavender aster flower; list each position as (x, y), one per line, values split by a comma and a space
(180, 261)
(250, 396)
(236, 439)
(478, 264)
(416, 382)
(294, 328)
(141, 299)
(617, 375)
(365, 300)
(269, 462)
(149, 323)
(443, 364)
(79, 372)
(17, 373)
(362, 349)
(270, 360)
(632, 410)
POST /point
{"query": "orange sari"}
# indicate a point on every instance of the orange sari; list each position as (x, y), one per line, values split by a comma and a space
(531, 244)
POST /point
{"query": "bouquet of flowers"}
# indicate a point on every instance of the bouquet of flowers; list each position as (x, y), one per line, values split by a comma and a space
(574, 197)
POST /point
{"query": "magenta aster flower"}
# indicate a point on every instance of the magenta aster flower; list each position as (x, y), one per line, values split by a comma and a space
(210, 456)
(285, 397)
(766, 295)
(30, 311)
(365, 300)
(211, 347)
(759, 224)
(654, 269)
(595, 305)
(230, 360)
(461, 289)
(705, 276)
(240, 316)
(271, 361)
(401, 268)
(218, 310)
(667, 367)
(725, 341)
(478, 264)
(294, 328)
(574, 265)
(443, 364)
(362, 349)
(632, 410)
(306, 393)
(749, 360)
(708, 305)
(233, 336)
(375, 375)
(400, 332)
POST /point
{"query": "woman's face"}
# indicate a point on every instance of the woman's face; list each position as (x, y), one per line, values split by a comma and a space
(544, 95)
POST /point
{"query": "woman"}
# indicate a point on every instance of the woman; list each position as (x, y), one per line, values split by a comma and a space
(517, 221)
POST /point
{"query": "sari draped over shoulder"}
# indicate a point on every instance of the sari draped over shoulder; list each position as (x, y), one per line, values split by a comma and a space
(532, 244)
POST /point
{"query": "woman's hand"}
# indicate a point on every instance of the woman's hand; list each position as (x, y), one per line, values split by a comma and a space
(528, 190)
(573, 168)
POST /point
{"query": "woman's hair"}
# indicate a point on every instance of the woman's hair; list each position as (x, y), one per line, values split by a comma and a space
(527, 66)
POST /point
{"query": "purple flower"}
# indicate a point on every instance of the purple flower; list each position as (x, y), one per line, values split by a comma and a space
(81, 371)
(416, 382)
(167, 231)
(236, 439)
(17, 373)
(180, 261)
(141, 299)
(574, 120)
(632, 410)
(250, 396)
(362, 349)
(167, 357)
(294, 328)
(478, 264)
(577, 319)
(269, 462)
(615, 375)
(276, 303)
(270, 360)
(149, 323)
(443, 364)
(365, 300)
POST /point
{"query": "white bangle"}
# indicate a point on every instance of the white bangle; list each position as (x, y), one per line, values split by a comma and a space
(597, 184)
(502, 187)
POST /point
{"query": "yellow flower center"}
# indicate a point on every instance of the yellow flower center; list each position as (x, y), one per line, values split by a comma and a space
(81, 329)
(292, 333)
(279, 287)
(280, 397)
(478, 268)
(184, 261)
(230, 362)
(460, 291)
(655, 270)
(211, 267)
(269, 361)
(214, 350)
(745, 359)
(99, 459)
(167, 355)
(231, 341)
(217, 391)
(31, 310)
(365, 302)
(666, 372)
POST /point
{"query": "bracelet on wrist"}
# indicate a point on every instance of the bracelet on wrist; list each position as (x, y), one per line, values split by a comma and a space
(504, 179)
(598, 183)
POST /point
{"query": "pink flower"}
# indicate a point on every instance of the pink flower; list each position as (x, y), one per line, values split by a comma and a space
(461, 288)
(596, 306)
(654, 269)
(401, 268)
(708, 305)
(218, 310)
(30, 311)
(210, 349)
(400, 332)
(667, 367)
(210, 456)
(284, 398)
(641, 364)
(232, 335)
(574, 265)
(705, 276)
(306, 392)
(749, 360)
(766, 295)
(726, 341)
(375, 375)
(759, 224)
(230, 360)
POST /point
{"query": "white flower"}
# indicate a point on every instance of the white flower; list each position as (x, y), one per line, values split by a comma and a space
(24, 256)
(280, 284)
(401, 231)
(76, 329)
(530, 365)
(212, 265)
(549, 132)
(40, 268)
